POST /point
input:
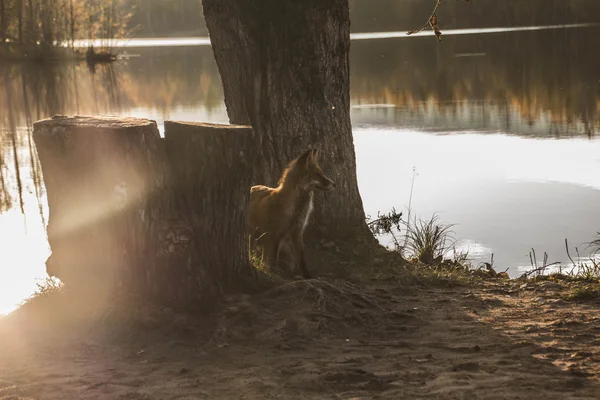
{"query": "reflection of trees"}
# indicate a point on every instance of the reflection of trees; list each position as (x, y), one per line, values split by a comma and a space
(167, 17)
(178, 77)
(5, 199)
(546, 76)
(13, 135)
(42, 24)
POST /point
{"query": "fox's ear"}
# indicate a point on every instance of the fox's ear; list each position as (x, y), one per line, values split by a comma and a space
(303, 159)
(315, 154)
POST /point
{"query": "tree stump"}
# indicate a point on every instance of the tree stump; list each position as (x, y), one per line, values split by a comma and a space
(129, 211)
(210, 176)
(104, 178)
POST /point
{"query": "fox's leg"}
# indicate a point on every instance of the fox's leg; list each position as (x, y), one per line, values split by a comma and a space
(270, 251)
(298, 249)
(286, 255)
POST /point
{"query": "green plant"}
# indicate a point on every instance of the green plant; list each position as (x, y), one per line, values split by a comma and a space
(462, 256)
(256, 260)
(595, 245)
(262, 277)
(429, 240)
(387, 224)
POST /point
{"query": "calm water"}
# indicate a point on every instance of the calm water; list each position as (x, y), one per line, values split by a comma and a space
(503, 130)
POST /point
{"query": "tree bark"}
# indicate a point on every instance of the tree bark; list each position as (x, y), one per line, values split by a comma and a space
(103, 180)
(210, 174)
(20, 20)
(2, 22)
(72, 23)
(32, 25)
(284, 65)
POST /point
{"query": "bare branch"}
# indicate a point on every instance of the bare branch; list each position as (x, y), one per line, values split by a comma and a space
(428, 23)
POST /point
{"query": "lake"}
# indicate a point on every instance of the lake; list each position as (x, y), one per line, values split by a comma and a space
(501, 126)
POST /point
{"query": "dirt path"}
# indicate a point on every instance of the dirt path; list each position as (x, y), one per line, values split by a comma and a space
(323, 341)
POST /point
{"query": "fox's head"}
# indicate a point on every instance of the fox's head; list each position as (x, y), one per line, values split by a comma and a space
(312, 176)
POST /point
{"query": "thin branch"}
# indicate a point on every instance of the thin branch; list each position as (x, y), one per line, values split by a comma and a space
(540, 269)
(428, 23)
(569, 254)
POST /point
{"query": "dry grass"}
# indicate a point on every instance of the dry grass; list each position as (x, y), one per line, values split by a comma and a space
(588, 292)
(582, 270)
(595, 245)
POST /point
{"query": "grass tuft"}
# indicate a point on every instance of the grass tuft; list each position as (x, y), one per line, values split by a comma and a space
(581, 270)
(429, 240)
(262, 277)
(595, 245)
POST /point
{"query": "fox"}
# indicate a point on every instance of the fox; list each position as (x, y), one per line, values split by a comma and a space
(278, 216)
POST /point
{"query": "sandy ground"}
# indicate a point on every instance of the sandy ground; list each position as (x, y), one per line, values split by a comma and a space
(331, 340)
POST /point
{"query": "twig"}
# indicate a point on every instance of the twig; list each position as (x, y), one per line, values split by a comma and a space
(569, 254)
(428, 23)
(540, 269)
(412, 185)
(531, 261)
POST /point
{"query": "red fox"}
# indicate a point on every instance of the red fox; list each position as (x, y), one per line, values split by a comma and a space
(278, 216)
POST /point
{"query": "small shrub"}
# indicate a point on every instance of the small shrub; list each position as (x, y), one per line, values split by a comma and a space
(429, 241)
(595, 245)
(389, 224)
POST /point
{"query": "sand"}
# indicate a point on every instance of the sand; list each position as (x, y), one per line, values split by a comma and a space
(326, 339)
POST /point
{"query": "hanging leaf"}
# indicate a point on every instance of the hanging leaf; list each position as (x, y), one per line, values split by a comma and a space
(433, 22)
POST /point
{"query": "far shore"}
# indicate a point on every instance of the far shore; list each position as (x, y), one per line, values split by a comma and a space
(12, 54)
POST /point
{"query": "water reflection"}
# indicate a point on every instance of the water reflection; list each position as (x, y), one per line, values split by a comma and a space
(506, 193)
(542, 84)
(506, 185)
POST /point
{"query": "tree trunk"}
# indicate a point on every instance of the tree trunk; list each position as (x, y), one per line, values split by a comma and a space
(32, 23)
(103, 180)
(72, 24)
(2, 22)
(284, 65)
(210, 174)
(20, 20)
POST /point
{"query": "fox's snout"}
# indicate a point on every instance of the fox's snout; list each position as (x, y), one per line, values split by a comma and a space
(325, 184)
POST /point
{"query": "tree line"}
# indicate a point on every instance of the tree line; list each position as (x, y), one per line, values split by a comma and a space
(55, 22)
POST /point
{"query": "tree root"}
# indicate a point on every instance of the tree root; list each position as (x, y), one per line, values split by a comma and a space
(322, 291)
